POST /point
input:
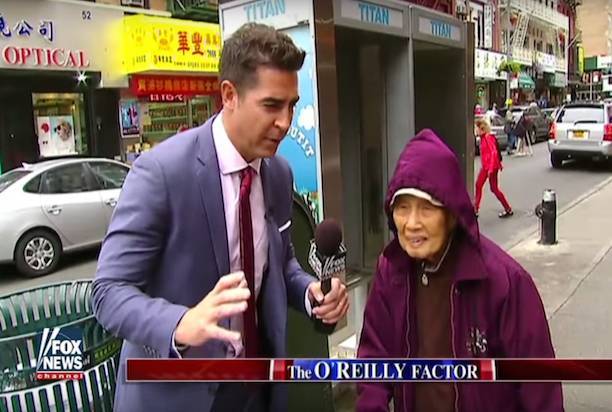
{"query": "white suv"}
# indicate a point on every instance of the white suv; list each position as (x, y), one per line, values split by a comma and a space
(581, 130)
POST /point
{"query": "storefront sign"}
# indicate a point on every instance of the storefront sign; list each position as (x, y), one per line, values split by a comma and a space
(439, 28)
(604, 62)
(147, 85)
(157, 43)
(558, 80)
(580, 59)
(45, 57)
(168, 98)
(547, 62)
(486, 64)
(36, 34)
(488, 26)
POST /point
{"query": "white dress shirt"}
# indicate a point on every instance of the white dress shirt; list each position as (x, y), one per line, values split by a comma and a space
(230, 165)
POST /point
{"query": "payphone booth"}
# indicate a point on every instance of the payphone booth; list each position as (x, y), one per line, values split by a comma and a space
(399, 69)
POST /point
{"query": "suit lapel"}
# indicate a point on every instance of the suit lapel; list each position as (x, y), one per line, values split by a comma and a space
(209, 181)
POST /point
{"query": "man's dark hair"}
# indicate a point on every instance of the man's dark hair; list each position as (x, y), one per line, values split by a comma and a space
(255, 45)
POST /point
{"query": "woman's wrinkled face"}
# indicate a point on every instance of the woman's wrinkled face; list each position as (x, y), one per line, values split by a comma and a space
(423, 229)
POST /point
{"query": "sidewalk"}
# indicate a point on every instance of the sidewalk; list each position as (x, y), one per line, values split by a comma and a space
(584, 233)
(574, 281)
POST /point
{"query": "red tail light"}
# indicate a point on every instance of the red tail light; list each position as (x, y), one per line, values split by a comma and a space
(608, 133)
(553, 131)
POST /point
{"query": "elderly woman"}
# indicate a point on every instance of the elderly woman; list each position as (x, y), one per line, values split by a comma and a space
(443, 290)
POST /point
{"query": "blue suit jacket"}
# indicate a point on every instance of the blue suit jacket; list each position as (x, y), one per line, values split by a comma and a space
(165, 250)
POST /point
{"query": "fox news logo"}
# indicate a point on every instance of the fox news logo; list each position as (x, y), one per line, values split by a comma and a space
(60, 355)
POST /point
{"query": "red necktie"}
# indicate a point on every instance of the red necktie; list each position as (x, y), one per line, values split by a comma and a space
(247, 253)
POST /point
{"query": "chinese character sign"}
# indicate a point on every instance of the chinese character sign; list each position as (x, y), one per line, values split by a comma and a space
(23, 28)
(147, 84)
(155, 43)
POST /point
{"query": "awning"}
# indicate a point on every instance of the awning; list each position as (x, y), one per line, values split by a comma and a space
(525, 81)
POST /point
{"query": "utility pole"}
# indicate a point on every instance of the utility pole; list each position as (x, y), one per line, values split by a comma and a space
(508, 24)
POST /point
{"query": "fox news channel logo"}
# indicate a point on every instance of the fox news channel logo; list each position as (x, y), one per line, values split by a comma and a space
(61, 354)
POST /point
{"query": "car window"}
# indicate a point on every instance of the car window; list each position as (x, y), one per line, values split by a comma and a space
(11, 177)
(582, 114)
(33, 186)
(109, 175)
(65, 179)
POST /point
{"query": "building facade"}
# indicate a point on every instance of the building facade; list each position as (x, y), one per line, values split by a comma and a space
(536, 35)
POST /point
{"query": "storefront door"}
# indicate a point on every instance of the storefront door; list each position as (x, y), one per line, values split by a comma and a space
(17, 134)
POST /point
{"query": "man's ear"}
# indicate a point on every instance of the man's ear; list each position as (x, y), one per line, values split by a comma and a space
(229, 94)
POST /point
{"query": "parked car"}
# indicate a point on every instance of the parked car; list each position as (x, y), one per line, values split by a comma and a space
(581, 130)
(54, 207)
(539, 124)
(497, 128)
(551, 113)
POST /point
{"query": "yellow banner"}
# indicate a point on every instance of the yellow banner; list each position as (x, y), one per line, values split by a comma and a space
(163, 44)
(580, 59)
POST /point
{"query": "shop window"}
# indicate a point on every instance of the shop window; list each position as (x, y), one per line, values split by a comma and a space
(166, 119)
(60, 122)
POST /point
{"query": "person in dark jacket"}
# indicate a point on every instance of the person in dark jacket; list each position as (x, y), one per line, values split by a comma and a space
(444, 290)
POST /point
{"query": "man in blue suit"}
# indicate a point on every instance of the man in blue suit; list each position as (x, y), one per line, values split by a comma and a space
(198, 259)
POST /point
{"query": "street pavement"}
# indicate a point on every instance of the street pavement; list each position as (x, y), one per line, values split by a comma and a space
(523, 181)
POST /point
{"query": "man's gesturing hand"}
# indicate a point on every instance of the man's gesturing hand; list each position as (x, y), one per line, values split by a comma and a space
(200, 323)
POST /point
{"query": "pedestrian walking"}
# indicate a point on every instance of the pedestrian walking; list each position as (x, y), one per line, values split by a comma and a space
(522, 133)
(491, 159)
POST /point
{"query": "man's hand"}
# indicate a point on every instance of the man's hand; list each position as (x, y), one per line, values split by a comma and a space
(200, 323)
(333, 306)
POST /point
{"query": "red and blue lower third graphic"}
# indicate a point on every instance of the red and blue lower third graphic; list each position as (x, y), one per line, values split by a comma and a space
(310, 370)
(369, 370)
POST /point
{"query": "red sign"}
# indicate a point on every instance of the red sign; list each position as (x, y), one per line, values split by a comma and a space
(45, 56)
(147, 85)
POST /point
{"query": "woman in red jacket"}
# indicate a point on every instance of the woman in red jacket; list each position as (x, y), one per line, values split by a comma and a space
(491, 165)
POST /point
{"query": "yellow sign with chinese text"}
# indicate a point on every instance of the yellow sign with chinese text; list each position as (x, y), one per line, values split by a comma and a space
(163, 44)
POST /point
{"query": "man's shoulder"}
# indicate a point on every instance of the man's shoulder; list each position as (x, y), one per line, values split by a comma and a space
(279, 164)
(178, 148)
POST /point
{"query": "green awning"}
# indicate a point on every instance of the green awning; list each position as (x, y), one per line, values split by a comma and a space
(525, 81)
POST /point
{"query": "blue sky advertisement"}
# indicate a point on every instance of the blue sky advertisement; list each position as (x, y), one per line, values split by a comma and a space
(300, 147)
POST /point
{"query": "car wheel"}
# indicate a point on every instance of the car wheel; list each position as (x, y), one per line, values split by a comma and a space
(37, 253)
(556, 161)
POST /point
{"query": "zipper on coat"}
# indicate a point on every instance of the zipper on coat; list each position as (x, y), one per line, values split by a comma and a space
(407, 336)
(452, 322)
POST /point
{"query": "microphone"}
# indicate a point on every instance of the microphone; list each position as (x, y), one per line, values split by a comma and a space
(327, 257)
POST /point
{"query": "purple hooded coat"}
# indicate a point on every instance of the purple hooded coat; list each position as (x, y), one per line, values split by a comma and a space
(496, 311)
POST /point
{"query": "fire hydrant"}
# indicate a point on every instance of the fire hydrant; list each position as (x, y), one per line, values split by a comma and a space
(547, 213)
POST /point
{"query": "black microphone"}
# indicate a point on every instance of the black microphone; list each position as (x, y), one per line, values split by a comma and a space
(327, 258)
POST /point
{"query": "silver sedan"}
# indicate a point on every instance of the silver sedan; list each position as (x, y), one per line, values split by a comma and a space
(56, 206)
